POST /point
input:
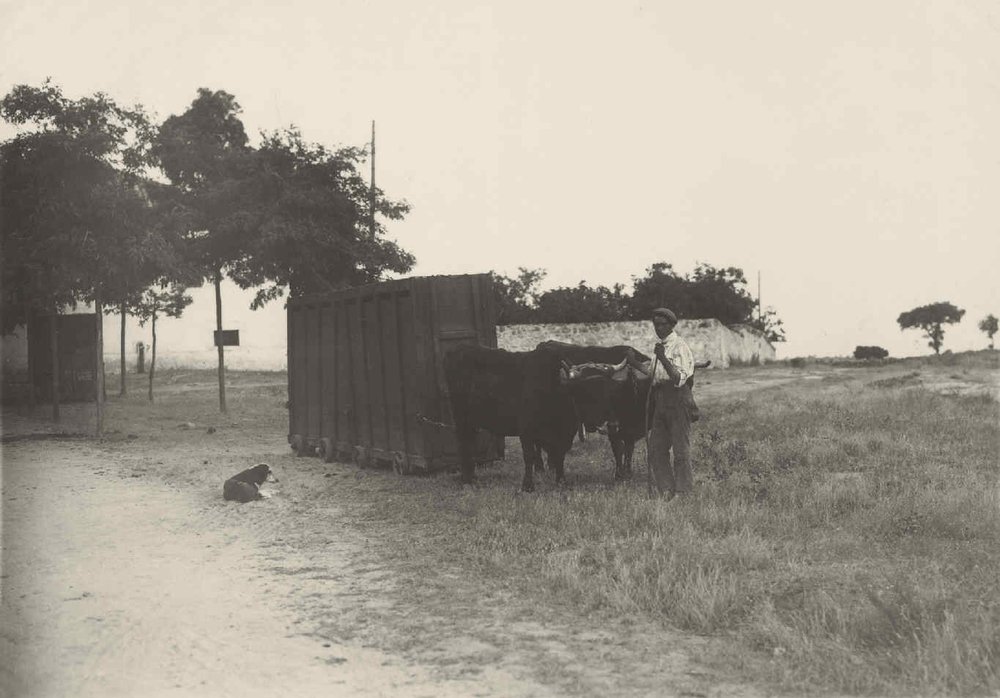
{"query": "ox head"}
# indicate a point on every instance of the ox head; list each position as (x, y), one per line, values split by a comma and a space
(576, 374)
(593, 387)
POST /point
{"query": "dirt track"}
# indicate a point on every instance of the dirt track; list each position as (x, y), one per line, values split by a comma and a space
(119, 583)
(160, 598)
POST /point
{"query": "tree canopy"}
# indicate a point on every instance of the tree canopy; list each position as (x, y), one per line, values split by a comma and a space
(582, 303)
(931, 319)
(517, 297)
(312, 223)
(989, 325)
(707, 292)
(204, 152)
(76, 219)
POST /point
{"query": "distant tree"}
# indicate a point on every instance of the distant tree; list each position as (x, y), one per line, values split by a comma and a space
(720, 293)
(660, 287)
(930, 319)
(582, 304)
(312, 222)
(989, 325)
(517, 297)
(770, 325)
(166, 300)
(708, 292)
(873, 352)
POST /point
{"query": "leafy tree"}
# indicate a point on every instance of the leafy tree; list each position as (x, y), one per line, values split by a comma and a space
(517, 297)
(582, 304)
(70, 203)
(930, 319)
(205, 153)
(312, 222)
(719, 293)
(989, 325)
(151, 251)
(169, 300)
(660, 287)
(708, 292)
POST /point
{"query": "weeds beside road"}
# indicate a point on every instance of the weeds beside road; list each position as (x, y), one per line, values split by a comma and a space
(843, 535)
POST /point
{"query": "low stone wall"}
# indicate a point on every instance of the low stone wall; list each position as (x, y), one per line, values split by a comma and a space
(708, 339)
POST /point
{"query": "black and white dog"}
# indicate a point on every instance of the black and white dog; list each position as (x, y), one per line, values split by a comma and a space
(245, 486)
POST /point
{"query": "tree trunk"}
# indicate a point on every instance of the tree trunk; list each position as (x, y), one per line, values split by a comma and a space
(152, 359)
(99, 368)
(122, 389)
(54, 342)
(32, 395)
(218, 326)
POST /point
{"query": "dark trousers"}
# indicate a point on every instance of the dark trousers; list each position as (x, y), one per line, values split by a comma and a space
(670, 430)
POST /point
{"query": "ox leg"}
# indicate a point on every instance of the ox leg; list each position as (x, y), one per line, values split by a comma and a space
(539, 461)
(623, 455)
(532, 455)
(556, 459)
(466, 438)
(628, 446)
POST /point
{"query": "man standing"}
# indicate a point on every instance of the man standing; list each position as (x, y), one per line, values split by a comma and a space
(671, 420)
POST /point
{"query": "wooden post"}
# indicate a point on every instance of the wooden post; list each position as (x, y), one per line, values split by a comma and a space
(99, 367)
(152, 358)
(54, 342)
(222, 354)
(122, 388)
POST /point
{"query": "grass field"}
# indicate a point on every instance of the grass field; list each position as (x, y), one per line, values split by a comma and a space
(844, 535)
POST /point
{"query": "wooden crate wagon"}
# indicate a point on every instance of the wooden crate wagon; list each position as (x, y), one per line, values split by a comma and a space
(365, 377)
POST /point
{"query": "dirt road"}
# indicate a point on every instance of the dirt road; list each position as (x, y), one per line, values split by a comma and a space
(117, 582)
(116, 587)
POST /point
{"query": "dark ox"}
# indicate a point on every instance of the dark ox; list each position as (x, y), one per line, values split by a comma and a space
(619, 402)
(524, 394)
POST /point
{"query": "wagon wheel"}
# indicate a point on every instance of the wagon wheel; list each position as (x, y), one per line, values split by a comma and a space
(326, 450)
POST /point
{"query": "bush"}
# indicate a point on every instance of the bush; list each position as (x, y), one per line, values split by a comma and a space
(861, 352)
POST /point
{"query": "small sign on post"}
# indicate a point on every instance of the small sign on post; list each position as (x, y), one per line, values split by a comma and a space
(227, 338)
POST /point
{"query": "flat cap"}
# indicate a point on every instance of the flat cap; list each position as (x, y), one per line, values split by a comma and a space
(666, 313)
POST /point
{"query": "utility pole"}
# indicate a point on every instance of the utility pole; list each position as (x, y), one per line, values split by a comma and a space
(372, 191)
(759, 307)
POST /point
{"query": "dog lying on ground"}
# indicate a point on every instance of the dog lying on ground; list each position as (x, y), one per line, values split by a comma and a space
(245, 486)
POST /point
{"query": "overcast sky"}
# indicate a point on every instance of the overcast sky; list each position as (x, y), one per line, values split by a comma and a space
(847, 151)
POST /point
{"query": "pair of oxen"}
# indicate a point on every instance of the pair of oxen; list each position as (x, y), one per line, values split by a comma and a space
(545, 397)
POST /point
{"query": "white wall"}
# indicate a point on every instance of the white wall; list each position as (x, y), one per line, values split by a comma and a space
(709, 339)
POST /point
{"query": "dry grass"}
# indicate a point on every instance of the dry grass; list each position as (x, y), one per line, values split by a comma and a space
(843, 535)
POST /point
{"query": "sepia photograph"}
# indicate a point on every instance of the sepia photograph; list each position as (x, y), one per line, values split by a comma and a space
(468, 348)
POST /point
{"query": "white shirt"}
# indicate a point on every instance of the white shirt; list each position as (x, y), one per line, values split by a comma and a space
(679, 354)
